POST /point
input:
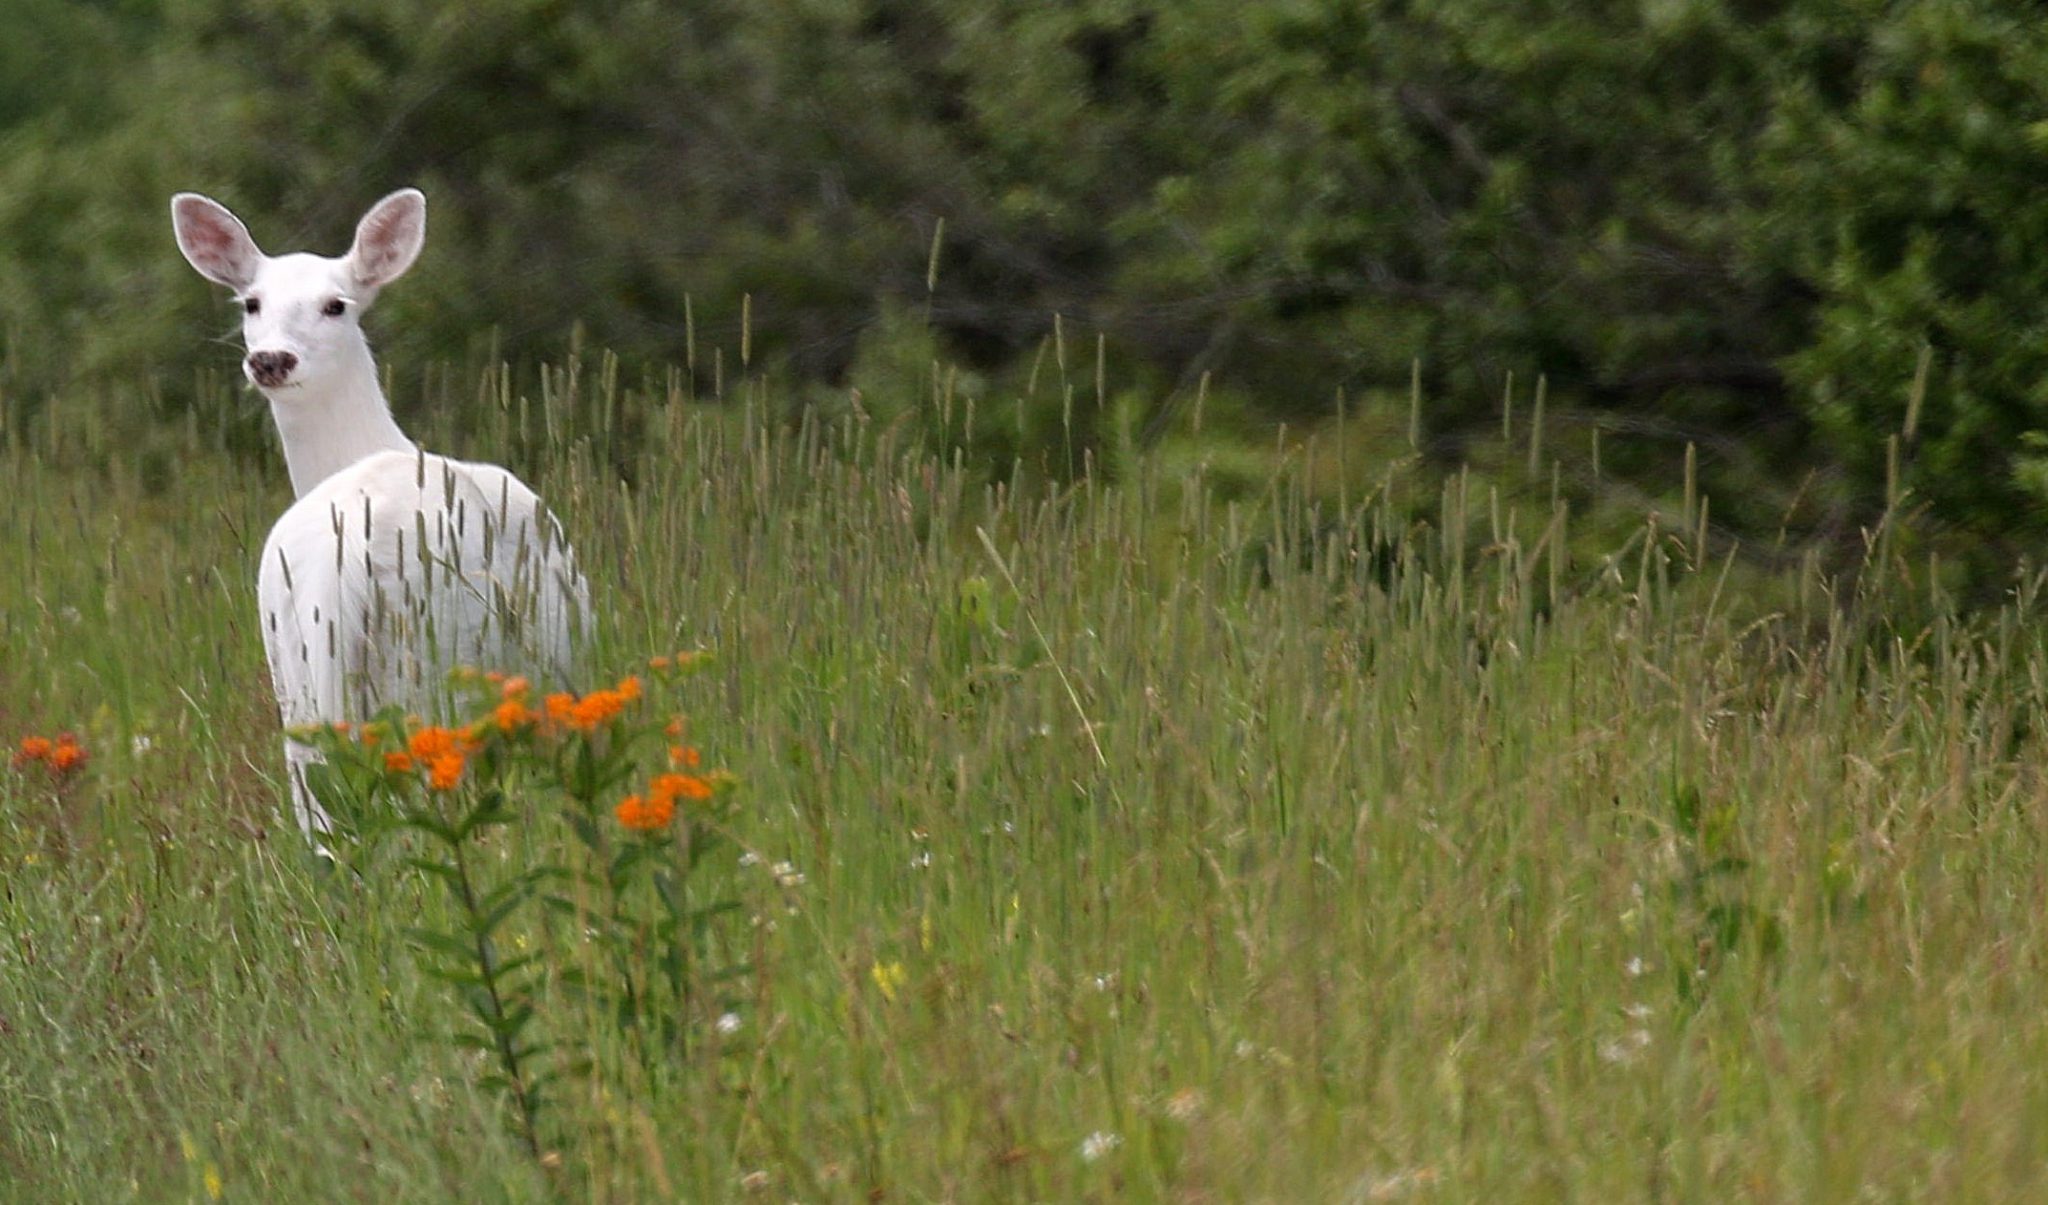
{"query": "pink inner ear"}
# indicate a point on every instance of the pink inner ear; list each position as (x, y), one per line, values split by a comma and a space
(212, 238)
(382, 239)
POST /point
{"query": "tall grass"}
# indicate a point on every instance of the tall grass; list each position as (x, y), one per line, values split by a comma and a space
(1105, 841)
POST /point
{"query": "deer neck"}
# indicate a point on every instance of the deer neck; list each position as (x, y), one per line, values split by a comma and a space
(330, 423)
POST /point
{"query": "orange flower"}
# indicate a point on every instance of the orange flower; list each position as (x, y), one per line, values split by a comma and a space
(561, 706)
(596, 708)
(513, 714)
(659, 664)
(67, 755)
(515, 688)
(397, 763)
(671, 787)
(444, 771)
(649, 815)
(629, 688)
(33, 748)
(684, 755)
(429, 743)
(675, 729)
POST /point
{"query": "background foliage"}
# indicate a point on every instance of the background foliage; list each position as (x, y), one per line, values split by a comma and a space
(1727, 222)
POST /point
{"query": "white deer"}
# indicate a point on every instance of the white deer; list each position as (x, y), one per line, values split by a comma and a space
(394, 565)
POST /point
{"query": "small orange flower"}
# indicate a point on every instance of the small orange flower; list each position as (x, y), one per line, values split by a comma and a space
(649, 815)
(596, 708)
(628, 688)
(659, 664)
(515, 688)
(494, 677)
(370, 734)
(675, 729)
(512, 715)
(444, 771)
(684, 755)
(671, 787)
(397, 763)
(561, 706)
(33, 748)
(429, 743)
(68, 755)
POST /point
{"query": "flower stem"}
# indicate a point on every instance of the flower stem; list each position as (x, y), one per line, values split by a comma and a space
(508, 1051)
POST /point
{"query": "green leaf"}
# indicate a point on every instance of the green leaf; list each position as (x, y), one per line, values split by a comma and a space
(453, 948)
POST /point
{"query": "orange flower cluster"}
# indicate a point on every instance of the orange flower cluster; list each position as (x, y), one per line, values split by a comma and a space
(679, 786)
(594, 709)
(443, 751)
(62, 755)
(650, 814)
(654, 810)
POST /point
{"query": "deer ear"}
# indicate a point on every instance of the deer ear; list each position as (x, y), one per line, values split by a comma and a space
(214, 241)
(388, 238)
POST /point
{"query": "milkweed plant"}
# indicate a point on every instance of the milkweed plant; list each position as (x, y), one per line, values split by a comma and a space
(568, 833)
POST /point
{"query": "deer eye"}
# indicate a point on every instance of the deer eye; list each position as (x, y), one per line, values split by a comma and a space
(334, 308)
(251, 306)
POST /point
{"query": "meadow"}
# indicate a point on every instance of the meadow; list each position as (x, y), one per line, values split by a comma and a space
(1117, 839)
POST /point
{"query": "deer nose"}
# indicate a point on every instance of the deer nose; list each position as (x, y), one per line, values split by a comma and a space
(271, 368)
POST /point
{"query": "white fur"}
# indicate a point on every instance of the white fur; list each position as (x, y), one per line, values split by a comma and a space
(394, 565)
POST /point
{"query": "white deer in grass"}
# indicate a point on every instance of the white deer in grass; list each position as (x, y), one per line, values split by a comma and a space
(394, 565)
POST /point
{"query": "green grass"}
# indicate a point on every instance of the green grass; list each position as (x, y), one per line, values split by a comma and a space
(1387, 848)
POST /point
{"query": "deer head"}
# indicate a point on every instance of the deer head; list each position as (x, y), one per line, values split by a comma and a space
(301, 313)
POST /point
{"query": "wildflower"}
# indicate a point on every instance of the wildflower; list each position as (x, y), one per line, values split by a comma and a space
(660, 664)
(1098, 1144)
(728, 1023)
(514, 688)
(397, 763)
(675, 729)
(888, 977)
(32, 749)
(671, 787)
(444, 771)
(684, 755)
(593, 709)
(646, 815)
(628, 688)
(430, 743)
(67, 756)
(512, 715)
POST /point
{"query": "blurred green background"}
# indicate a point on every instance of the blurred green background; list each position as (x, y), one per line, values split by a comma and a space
(1747, 226)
